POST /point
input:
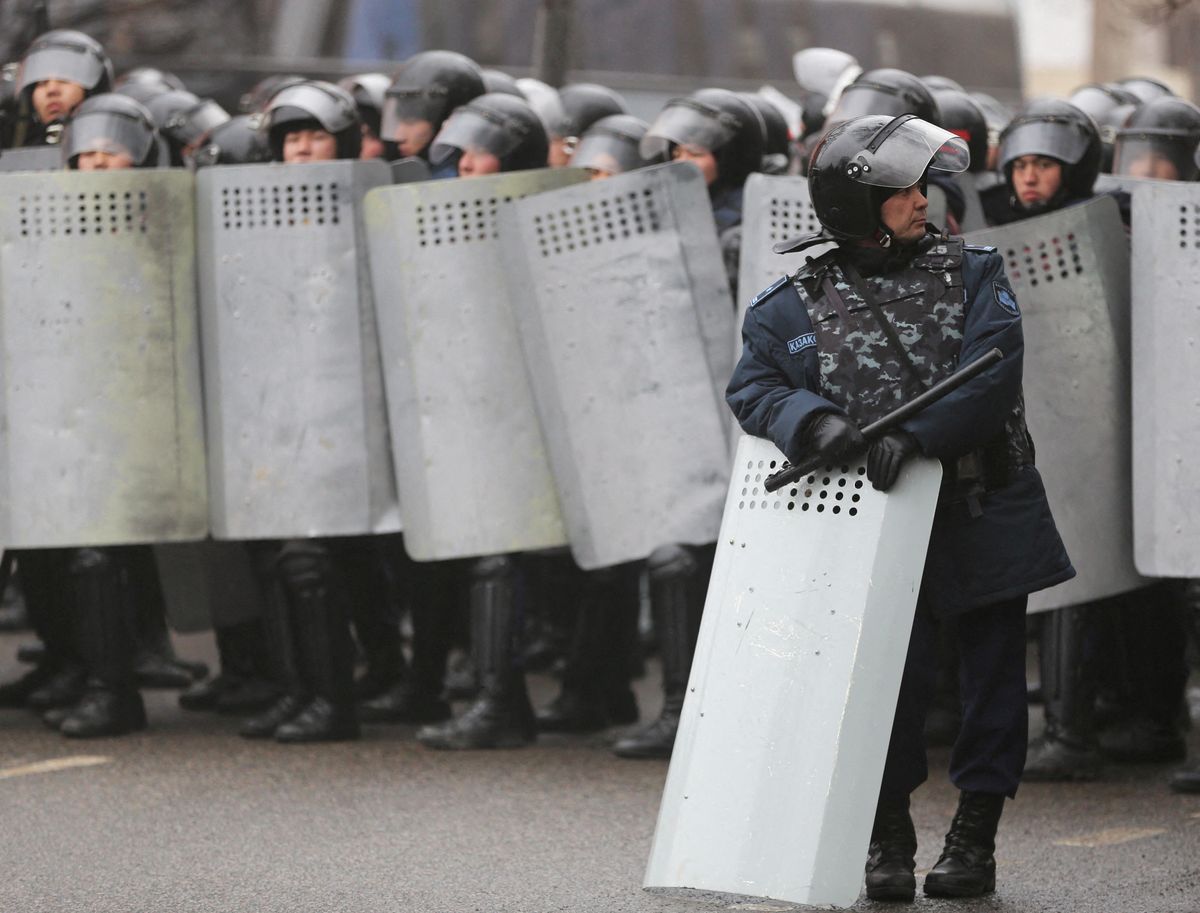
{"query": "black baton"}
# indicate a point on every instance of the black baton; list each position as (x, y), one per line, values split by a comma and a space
(790, 474)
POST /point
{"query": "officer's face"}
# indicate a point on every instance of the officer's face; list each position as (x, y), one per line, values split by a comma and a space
(309, 146)
(1154, 165)
(700, 157)
(372, 145)
(561, 150)
(55, 99)
(476, 161)
(904, 214)
(1036, 179)
(412, 136)
(103, 161)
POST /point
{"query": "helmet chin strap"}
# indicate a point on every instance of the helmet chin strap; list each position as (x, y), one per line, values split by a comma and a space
(884, 236)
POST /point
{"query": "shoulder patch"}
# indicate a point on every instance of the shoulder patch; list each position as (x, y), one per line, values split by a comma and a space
(982, 248)
(1005, 298)
(800, 343)
(769, 290)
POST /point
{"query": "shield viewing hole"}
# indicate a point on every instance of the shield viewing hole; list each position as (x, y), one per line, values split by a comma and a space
(792, 218)
(1044, 261)
(458, 222)
(621, 216)
(280, 207)
(1189, 225)
(836, 489)
(82, 214)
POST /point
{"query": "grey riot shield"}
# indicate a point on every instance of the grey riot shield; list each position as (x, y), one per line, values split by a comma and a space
(207, 584)
(939, 206)
(297, 430)
(472, 469)
(1110, 183)
(625, 320)
(973, 218)
(101, 438)
(777, 764)
(409, 170)
(1166, 385)
(32, 158)
(1070, 270)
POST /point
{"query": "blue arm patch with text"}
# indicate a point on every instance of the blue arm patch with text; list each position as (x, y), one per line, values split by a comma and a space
(800, 343)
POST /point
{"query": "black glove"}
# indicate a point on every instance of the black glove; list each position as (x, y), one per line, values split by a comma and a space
(887, 455)
(833, 437)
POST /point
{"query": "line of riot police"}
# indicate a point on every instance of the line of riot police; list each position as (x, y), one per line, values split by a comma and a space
(443, 428)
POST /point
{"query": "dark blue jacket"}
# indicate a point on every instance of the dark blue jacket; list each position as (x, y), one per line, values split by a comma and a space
(1013, 548)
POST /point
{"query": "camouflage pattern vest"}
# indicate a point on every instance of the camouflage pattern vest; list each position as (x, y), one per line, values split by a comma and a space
(882, 340)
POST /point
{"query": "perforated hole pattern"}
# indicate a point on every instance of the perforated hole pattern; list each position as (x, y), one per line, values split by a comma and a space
(615, 218)
(458, 222)
(792, 218)
(1189, 225)
(258, 207)
(81, 214)
(1058, 258)
(834, 489)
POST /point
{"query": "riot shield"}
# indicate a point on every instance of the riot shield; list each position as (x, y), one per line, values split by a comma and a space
(410, 170)
(939, 206)
(297, 429)
(777, 764)
(101, 432)
(472, 469)
(625, 319)
(31, 158)
(973, 218)
(1070, 270)
(1166, 386)
(1109, 183)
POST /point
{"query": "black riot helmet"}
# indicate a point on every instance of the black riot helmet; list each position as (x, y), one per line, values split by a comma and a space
(238, 141)
(823, 73)
(150, 78)
(500, 83)
(1159, 141)
(183, 119)
(862, 162)
(501, 124)
(887, 91)
(311, 105)
(963, 117)
(112, 123)
(1109, 105)
(1146, 88)
(716, 120)
(256, 99)
(777, 144)
(369, 91)
(584, 103)
(935, 83)
(69, 56)
(610, 145)
(428, 86)
(1058, 130)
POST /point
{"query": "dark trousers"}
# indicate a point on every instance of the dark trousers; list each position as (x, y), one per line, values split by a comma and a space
(989, 754)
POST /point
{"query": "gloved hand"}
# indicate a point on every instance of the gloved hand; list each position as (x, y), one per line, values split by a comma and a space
(833, 437)
(887, 455)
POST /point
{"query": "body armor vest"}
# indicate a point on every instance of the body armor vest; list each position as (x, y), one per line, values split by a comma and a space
(882, 340)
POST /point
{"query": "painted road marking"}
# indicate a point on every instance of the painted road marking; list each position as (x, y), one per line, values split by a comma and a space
(1114, 836)
(53, 765)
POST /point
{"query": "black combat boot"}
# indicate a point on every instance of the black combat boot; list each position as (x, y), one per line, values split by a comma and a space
(326, 651)
(890, 860)
(598, 667)
(155, 661)
(282, 652)
(111, 703)
(242, 686)
(501, 716)
(373, 610)
(967, 867)
(1067, 750)
(675, 578)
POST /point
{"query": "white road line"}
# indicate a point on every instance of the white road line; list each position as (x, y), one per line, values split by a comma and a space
(53, 765)
(1114, 836)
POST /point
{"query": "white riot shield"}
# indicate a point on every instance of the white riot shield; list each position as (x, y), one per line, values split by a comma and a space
(297, 429)
(1070, 270)
(625, 319)
(1166, 384)
(472, 469)
(101, 431)
(31, 158)
(776, 768)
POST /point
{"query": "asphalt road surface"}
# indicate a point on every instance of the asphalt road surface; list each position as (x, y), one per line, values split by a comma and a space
(189, 817)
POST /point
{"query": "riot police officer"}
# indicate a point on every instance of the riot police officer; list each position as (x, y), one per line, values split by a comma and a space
(237, 141)
(427, 88)
(183, 119)
(611, 146)
(580, 105)
(1109, 106)
(993, 538)
(60, 69)
(1159, 141)
(369, 91)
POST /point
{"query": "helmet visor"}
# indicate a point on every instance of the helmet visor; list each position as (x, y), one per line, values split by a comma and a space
(331, 112)
(1159, 155)
(900, 153)
(67, 62)
(428, 104)
(471, 128)
(864, 98)
(189, 126)
(108, 131)
(1054, 137)
(607, 153)
(686, 122)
